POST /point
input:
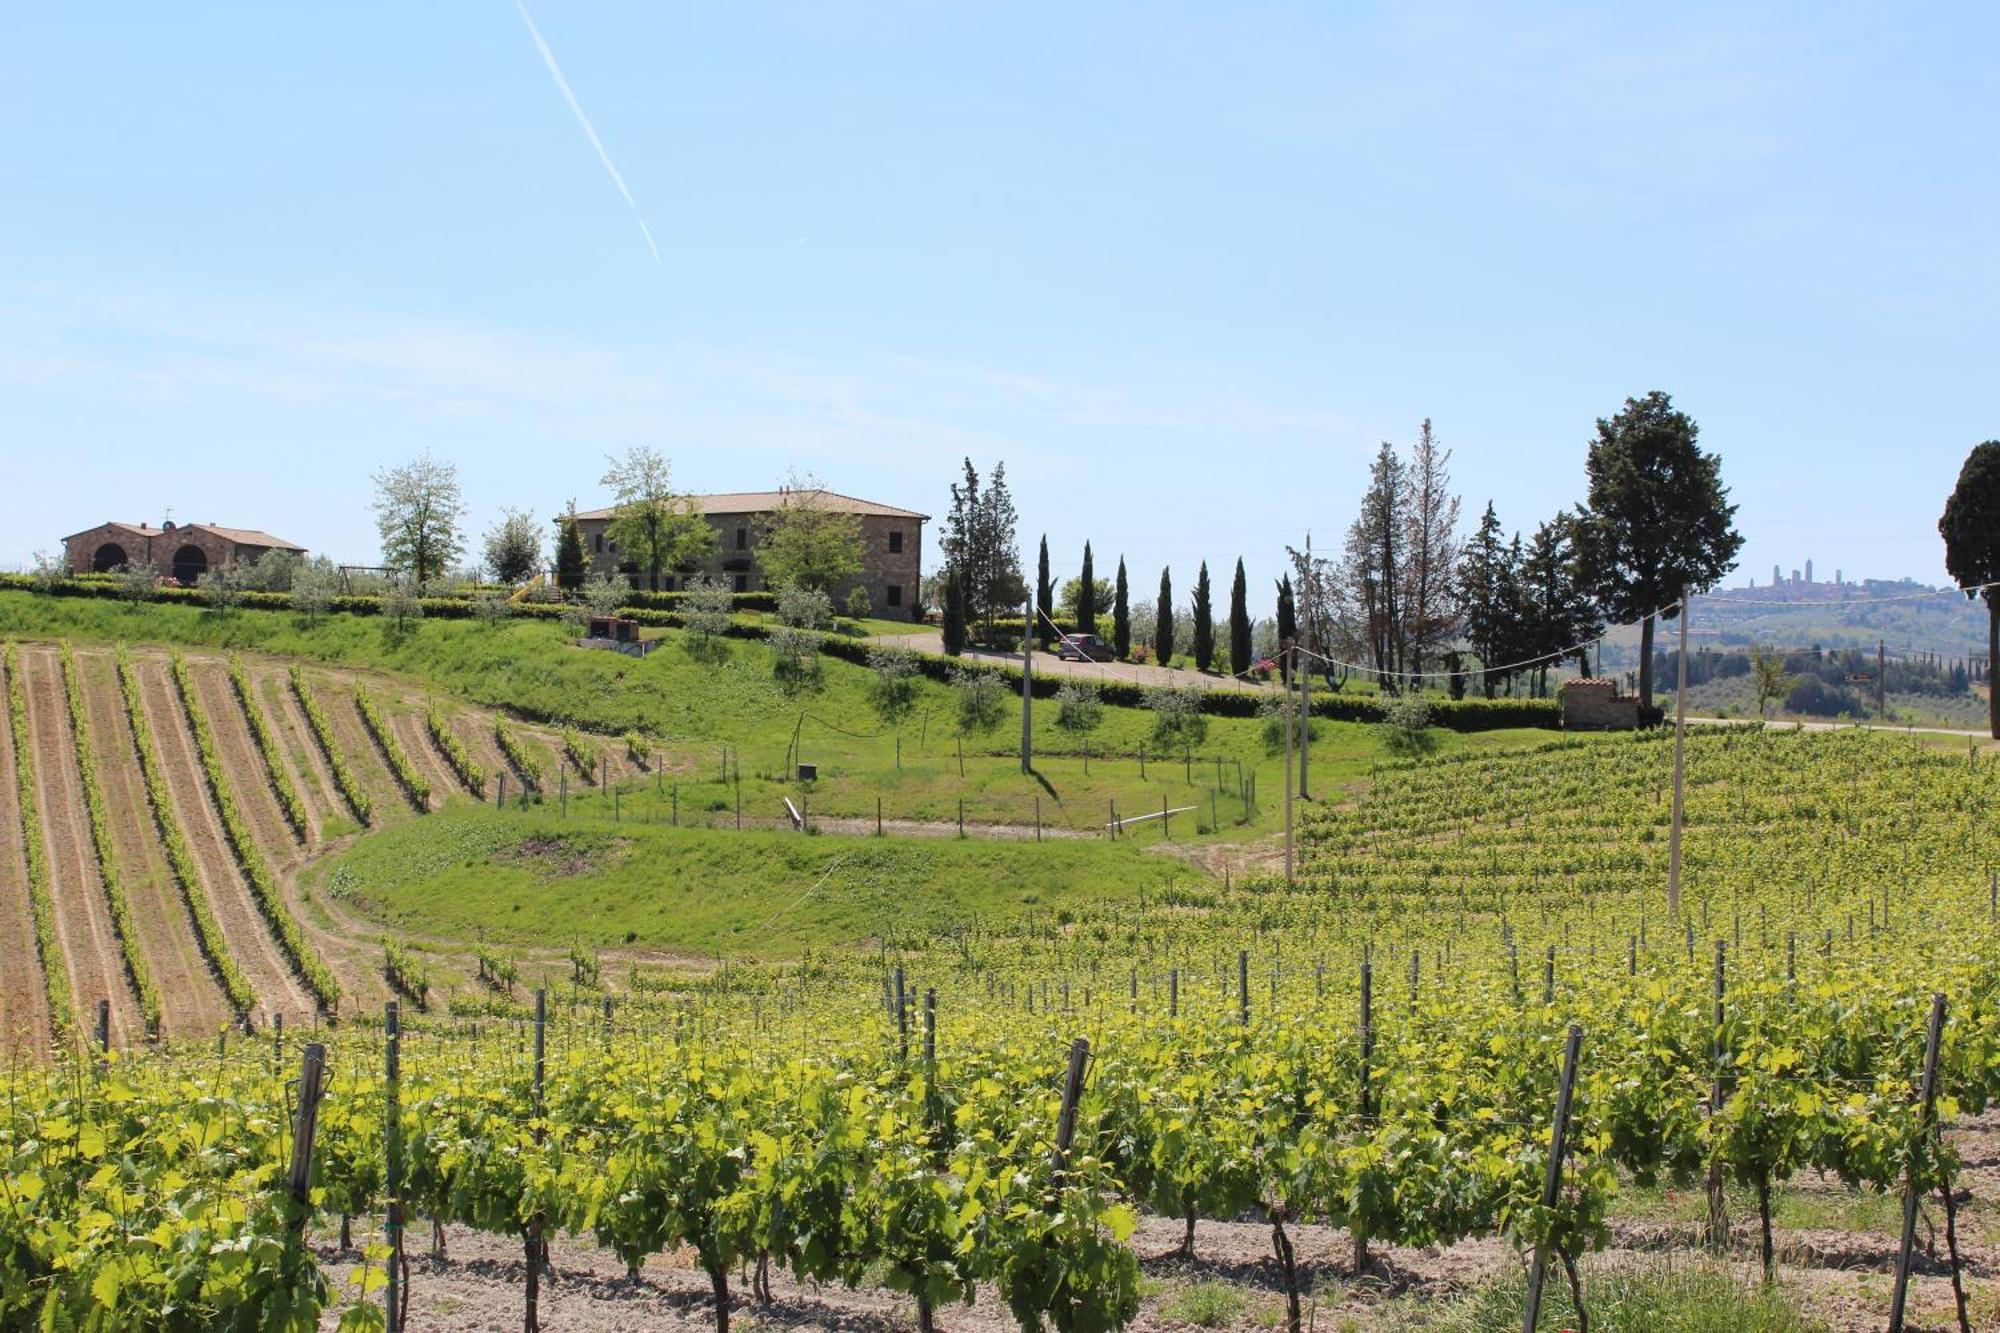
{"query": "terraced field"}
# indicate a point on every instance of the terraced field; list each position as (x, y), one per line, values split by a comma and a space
(283, 799)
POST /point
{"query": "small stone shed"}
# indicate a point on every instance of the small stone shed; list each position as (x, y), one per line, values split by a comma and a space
(1593, 703)
(182, 552)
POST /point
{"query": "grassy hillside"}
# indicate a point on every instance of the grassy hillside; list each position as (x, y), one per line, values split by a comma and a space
(693, 710)
(535, 878)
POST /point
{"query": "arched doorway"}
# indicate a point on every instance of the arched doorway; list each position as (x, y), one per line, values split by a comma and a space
(109, 556)
(190, 563)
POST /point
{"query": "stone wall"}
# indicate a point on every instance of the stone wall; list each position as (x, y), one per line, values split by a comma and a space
(1596, 705)
(884, 572)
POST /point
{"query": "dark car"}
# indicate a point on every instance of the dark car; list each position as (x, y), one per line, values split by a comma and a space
(1084, 648)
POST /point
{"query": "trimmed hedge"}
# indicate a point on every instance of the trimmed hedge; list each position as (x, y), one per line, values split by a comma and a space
(180, 860)
(652, 608)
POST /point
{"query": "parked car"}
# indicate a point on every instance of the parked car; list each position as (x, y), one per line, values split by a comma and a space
(1084, 648)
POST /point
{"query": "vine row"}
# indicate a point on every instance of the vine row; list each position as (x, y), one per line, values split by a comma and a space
(179, 859)
(55, 980)
(256, 870)
(523, 760)
(107, 854)
(411, 978)
(454, 752)
(411, 781)
(267, 746)
(329, 746)
(582, 754)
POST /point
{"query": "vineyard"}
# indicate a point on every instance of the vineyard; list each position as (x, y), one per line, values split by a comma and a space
(157, 806)
(1055, 1117)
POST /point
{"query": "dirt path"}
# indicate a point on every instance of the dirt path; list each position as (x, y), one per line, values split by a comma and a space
(244, 763)
(24, 1004)
(83, 913)
(191, 1000)
(243, 928)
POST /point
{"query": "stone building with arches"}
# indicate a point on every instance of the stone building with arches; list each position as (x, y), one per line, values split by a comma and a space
(182, 552)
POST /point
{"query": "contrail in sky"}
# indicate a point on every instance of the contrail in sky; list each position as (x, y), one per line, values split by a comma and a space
(555, 72)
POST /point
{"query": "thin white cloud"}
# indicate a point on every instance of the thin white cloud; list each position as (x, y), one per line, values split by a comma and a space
(555, 72)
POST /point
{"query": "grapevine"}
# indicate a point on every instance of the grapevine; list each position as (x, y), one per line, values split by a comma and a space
(267, 747)
(412, 782)
(350, 787)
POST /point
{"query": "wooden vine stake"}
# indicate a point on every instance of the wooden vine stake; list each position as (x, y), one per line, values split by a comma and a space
(1552, 1182)
(532, 1322)
(305, 1127)
(1913, 1188)
(396, 1295)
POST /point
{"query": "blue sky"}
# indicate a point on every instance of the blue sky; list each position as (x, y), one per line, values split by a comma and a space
(1181, 266)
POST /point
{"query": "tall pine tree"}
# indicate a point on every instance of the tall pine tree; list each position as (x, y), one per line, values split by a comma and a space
(1204, 622)
(569, 554)
(1239, 622)
(1045, 597)
(1163, 620)
(1086, 596)
(1121, 615)
(1489, 591)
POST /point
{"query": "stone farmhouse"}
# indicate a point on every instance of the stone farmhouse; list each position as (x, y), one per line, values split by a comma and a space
(892, 542)
(183, 552)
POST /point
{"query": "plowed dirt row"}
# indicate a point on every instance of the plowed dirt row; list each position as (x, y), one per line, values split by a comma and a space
(24, 1005)
(415, 738)
(309, 769)
(191, 1000)
(243, 927)
(475, 733)
(83, 916)
(364, 759)
(244, 763)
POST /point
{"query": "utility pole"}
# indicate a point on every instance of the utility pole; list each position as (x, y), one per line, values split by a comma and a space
(1028, 686)
(1305, 678)
(1291, 664)
(1680, 765)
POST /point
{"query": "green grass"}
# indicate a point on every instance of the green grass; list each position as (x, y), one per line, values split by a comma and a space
(523, 877)
(1833, 1207)
(1208, 1304)
(697, 708)
(1686, 1297)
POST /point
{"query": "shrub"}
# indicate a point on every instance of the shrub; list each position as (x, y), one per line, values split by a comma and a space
(981, 700)
(858, 605)
(795, 659)
(1079, 707)
(1178, 720)
(805, 608)
(1406, 726)
(895, 688)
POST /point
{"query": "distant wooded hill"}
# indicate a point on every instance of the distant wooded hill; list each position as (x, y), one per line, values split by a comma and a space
(1914, 619)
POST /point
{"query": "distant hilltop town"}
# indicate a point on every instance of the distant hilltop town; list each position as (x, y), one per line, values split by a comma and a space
(1799, 580)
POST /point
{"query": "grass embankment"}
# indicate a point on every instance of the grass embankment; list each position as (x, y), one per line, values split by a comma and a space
(697, 708)
(534, 878)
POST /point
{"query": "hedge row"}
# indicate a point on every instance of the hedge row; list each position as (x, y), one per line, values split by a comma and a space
(654, 608)
(412, 782)
(263, 884)
(55, 977)
(453, 749)
(267, 746)
(1453, 715)
(180, 860)
(351, 790)
(107, 855)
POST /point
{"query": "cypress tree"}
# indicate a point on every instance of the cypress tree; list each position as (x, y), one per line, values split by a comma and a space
(1045, 597)
(1121, 615)
(1086, 596)
(569, 555)
(1163, 620)
(954, 613)
(1204, 622)
(1239, 621)
(1288, 624)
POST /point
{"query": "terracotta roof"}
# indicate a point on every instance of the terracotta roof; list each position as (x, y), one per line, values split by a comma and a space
(763, 502)
(246, 536)
(241, 536)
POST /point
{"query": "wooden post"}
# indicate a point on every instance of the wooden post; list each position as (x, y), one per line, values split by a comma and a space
(1173, 992)
(1927, 1099)
(902, 1019)
(1718, 1218)
(1549, 977)
(677, 803)
(277, 1042)
(1079, 1056)
(104, 1030)
(562, 791)
(533, 1240)
(878, 816)
(1166, 820)
(392, 1154)
(1038, 818)
(1028, 686)
(1552, 1181)
(305, 1126)
(500, 792)
(961, 816)
(1680, 768)
(1243, 987)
